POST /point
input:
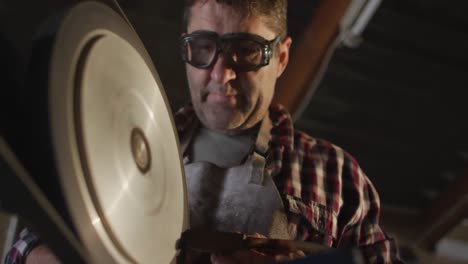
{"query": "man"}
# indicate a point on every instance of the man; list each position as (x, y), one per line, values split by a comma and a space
(310, 189)
(247, 169)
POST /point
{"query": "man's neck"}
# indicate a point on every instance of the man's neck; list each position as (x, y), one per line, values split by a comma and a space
(223, 149)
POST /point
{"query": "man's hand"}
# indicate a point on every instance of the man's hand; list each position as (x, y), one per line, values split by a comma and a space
(41, 254)
(253, 256)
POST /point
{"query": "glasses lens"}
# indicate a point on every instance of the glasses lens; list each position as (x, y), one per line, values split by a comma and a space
(244, 53)
(201, 51)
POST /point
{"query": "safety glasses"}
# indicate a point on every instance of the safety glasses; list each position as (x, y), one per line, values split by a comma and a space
(243, 51)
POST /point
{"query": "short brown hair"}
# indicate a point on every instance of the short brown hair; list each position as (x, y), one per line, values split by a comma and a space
(275, 12)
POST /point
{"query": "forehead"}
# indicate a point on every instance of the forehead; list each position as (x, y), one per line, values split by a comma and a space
(223, 19)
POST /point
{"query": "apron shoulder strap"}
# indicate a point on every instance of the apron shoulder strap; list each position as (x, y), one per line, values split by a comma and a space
(257, 158)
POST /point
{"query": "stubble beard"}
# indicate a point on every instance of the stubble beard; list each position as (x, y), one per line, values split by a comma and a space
(229, 120)
(223, 117)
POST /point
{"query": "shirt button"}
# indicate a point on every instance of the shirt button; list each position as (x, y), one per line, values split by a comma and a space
(321, 224)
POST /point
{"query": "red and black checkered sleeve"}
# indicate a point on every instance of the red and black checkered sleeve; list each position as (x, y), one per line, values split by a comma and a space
(359, 216)
(26, 242)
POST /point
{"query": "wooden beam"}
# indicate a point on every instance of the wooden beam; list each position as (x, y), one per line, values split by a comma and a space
(307, 57)
(447, 211)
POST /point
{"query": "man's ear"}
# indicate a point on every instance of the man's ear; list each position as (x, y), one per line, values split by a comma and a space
(284, 46)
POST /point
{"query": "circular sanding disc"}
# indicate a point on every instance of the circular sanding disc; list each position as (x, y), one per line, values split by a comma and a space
(114, 140)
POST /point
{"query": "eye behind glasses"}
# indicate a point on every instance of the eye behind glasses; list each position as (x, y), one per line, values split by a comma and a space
(243, 51)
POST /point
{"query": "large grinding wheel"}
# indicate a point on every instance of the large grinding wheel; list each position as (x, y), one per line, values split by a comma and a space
(114, 142)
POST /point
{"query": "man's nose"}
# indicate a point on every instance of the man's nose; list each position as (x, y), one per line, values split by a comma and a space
(221, 72)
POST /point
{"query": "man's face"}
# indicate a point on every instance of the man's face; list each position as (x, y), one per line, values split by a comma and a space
(224, 99)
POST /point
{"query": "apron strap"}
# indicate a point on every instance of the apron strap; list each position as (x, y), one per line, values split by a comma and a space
(264, 136)
(185, 141)
(257, 159)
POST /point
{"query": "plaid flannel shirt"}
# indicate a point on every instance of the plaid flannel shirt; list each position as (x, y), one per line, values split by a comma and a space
(328, 198)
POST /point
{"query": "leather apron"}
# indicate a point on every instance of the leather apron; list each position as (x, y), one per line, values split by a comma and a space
(237, 199)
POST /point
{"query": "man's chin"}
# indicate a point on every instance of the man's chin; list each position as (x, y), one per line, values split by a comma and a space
(223, 119)
(223, 125)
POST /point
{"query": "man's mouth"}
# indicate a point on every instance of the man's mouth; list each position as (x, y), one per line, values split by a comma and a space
(221, 98)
